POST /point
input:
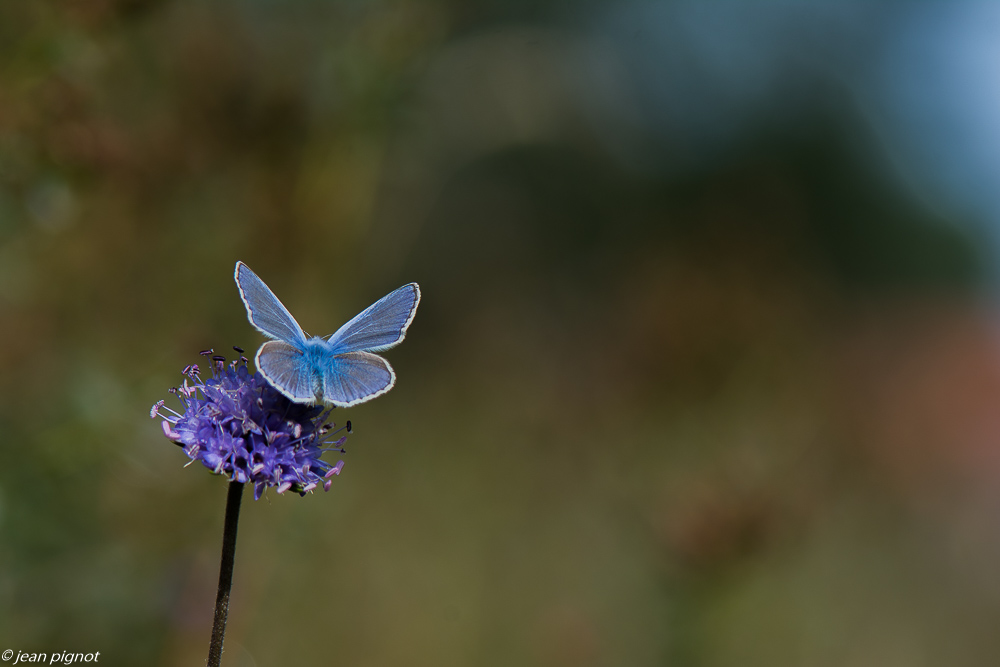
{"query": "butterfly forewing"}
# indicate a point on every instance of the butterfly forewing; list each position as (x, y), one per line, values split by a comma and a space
(381, 325)
(264, 310)
(285, 367)
(355, 377)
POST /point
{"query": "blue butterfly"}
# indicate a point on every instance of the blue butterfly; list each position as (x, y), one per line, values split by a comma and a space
(340, 369)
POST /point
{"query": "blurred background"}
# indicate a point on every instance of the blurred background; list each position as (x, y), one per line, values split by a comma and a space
(706, 371)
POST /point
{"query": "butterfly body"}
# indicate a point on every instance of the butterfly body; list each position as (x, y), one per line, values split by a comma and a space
(315, 355)
(341, 369)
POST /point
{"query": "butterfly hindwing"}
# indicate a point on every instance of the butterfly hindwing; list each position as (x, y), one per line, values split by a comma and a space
(264, 310)
(355, 377)
(286, 368)
(381, 325)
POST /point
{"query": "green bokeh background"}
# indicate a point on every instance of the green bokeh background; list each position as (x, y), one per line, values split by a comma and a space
(732, 410)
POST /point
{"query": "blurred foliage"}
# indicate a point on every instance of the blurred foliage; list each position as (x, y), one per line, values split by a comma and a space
(651, 412)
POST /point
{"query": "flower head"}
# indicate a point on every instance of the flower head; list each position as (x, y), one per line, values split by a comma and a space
(240, 426)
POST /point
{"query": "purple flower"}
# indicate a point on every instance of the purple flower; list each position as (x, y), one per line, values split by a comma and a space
(240, 426)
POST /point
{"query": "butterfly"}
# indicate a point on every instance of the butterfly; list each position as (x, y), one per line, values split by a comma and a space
(341, 369)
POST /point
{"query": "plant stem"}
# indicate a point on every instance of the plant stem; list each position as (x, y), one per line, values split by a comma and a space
(225, 572)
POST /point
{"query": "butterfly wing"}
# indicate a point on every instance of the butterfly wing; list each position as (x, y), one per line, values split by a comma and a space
(381, 325)
(355, 377)
(264, 310)
(286, 368)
